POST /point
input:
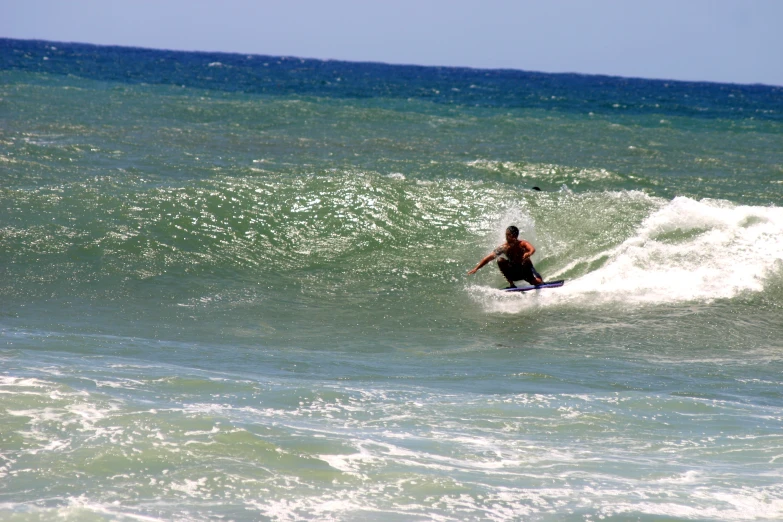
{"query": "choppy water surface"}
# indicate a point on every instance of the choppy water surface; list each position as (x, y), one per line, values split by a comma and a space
(234, 288)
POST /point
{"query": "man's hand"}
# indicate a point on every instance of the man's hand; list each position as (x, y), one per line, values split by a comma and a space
(483, 262)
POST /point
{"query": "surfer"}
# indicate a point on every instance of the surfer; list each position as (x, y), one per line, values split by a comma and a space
(513, 259)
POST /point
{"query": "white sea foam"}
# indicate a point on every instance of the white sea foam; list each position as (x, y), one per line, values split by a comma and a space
(687, 250)
(79, 508)
(20, 382)
(191, 488)
(689, 477)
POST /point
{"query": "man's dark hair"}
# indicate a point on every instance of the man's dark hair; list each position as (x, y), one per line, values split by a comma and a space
(514, 231)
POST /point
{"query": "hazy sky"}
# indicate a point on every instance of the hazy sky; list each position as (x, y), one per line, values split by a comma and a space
(739, 41)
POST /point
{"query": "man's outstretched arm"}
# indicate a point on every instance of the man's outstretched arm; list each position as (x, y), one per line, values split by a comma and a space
(483, 262)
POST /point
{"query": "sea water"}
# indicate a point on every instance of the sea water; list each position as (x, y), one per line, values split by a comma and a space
(234, 287)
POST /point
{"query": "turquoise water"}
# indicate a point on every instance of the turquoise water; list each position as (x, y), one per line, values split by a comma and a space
(234, 288)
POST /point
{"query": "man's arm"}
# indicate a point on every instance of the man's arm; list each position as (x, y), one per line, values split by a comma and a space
(483, 262)
(529, 250)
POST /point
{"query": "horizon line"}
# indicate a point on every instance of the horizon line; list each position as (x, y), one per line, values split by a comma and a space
(394, 64)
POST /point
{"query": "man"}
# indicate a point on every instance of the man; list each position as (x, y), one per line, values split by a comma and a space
(513, 259)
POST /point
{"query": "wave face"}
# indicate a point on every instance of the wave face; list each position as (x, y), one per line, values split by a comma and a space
(236, 287)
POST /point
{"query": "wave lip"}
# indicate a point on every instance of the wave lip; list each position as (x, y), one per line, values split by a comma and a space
(694, 250)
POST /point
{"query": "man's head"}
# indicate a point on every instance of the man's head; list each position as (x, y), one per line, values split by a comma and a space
(512, 231)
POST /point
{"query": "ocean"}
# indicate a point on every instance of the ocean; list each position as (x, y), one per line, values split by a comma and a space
(233, 287)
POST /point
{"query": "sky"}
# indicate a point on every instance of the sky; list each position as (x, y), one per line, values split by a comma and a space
(731, 41)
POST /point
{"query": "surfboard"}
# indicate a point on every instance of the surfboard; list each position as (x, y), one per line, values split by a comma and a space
(548, 284)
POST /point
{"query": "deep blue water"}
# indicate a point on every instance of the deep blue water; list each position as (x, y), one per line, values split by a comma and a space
(454, 86)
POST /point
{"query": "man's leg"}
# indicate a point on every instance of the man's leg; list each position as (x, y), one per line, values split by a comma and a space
(531, 275)
(507, 270)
